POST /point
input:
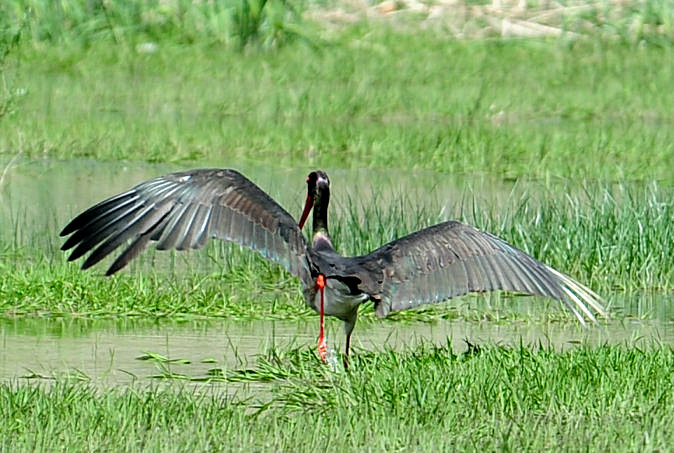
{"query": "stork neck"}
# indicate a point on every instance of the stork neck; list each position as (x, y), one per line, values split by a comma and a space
(320, 217)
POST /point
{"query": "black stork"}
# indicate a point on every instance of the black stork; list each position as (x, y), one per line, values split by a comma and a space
(184, 210)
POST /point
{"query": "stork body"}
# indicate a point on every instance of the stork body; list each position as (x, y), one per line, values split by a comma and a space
(184, 210)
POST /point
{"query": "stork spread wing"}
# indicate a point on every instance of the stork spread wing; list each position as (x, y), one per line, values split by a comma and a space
(184, 210)
(451, 259)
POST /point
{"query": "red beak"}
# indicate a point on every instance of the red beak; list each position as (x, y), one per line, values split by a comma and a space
(307, 209)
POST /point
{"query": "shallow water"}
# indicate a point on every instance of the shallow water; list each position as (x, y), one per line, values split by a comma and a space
(42, 196)
(38, 198)
(109, 352)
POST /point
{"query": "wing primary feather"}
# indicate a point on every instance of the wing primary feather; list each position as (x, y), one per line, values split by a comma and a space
(94, 223)
(100, 235)
(470, 260)
(491, 278)
(530, 280)
(136, 247)
(495, 270)
(579, 304)
(514, 280)
(130, 253)
(206, 231)
(84, 217)
(144, 222)
(551, 286)
(200, 204)
(196, 229)
(489, 259)
(586, 294)
(186, 224)
(174, 229)
(461, 280)
(220, 222)
(159, 231)
(156, 187)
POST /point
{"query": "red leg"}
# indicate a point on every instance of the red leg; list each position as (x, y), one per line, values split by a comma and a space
(322, 345)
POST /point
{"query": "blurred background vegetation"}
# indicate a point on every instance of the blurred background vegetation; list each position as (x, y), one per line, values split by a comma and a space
(271, 23)
(525, 88)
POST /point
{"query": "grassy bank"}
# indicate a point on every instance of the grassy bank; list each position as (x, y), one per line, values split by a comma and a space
(523, 399)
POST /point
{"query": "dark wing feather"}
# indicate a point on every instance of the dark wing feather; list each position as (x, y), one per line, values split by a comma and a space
(452, 259)
(182, 211)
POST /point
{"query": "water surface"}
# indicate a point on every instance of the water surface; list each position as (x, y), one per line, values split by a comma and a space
(109, 351)
(39, 197)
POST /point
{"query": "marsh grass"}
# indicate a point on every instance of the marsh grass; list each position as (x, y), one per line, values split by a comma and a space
(615, 238)
(142, 25)
(243, 22)
(526, 398)
(9, 95)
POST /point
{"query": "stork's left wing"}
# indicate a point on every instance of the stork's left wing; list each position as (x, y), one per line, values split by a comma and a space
(451, 259)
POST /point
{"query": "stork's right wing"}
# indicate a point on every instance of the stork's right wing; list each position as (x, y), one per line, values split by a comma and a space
(184, 210)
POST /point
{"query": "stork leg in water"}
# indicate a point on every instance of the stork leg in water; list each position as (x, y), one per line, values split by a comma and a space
(322, 345)
(185, 210)
(348, 327)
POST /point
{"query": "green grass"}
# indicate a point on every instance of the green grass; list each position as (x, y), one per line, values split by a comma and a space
(526, 398)
(581, 122)
(613, 239)
(78, 23)
(272, 23)
(518, 108)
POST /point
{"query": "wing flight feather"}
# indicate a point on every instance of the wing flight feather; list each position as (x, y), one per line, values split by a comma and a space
(452, 259)
(182, 211)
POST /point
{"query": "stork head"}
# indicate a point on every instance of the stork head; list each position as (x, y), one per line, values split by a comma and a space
(318, 196)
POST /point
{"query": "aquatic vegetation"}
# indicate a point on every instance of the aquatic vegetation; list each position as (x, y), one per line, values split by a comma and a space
(612, 237)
